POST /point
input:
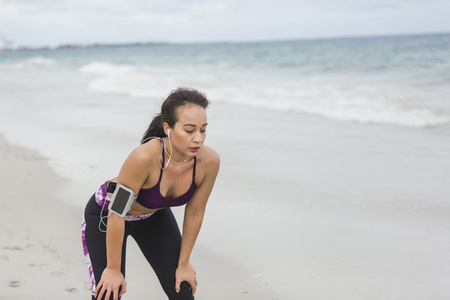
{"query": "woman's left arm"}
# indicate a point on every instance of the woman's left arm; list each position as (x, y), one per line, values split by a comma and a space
(193, 218)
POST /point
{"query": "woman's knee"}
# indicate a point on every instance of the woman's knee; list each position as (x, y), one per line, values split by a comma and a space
(185, 292)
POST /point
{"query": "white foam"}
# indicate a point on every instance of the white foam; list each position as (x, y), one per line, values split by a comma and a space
(126, 79)
(105, 68)
(31, 62)
(378, 104)
(37, 61)
(348, 108)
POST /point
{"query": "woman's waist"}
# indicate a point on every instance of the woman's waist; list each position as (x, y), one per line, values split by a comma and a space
(138, 209)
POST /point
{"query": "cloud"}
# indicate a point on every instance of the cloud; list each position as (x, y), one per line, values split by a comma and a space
(65, 21)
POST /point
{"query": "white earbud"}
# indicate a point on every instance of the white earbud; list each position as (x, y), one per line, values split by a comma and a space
(168, 132)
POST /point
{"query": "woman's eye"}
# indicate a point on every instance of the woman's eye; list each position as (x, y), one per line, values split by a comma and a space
(189, 131)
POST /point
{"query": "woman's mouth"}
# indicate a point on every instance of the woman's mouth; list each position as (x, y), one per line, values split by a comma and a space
(194, 149)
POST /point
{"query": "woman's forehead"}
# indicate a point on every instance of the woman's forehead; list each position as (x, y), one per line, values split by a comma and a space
(192, 114)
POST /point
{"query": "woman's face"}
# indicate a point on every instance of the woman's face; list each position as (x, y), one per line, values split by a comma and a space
(189, 133)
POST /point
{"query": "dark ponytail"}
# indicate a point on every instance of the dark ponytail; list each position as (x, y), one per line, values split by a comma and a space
(176, 99)
(154, 129)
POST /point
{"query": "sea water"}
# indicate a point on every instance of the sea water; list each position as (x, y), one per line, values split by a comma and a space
(397, 81)
(332, 133)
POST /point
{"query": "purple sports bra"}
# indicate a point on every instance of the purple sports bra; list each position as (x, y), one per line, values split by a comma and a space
(151, 198)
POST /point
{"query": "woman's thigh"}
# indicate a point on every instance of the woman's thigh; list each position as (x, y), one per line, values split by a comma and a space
(94, 242)
(159, 239)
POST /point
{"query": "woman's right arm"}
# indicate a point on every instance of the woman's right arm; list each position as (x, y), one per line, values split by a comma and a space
(133, 174)
(112, 278)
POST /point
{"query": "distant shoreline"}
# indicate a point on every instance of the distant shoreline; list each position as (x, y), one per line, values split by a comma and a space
(137, 44)
(81, 46)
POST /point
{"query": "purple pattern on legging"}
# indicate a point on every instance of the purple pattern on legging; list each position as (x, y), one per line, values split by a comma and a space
(103, 199)
(86, 255)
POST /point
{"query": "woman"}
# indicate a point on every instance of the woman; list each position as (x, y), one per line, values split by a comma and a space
(171, 167)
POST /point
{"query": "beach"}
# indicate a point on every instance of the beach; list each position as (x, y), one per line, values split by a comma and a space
(332, 188)
(39, 256)
(337, 244)
(41, 251)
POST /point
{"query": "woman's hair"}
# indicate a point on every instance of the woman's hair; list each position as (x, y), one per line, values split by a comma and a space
(169, 110)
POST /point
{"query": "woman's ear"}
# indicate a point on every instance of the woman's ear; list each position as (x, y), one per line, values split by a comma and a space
(166, 128)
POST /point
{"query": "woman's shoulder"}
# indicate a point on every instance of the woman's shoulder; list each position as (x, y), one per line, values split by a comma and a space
(147, 152)
(209, 157)
(208, 161)
(138, 165)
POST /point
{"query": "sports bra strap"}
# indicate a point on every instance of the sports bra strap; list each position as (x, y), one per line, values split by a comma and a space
(164, 161)
(195, 163)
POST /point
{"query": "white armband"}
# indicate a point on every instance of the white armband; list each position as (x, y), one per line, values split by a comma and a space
(122, 200)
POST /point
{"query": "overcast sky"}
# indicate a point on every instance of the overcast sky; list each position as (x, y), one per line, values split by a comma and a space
(54, 22)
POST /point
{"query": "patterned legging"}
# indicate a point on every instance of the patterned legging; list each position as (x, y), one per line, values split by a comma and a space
(157, 236)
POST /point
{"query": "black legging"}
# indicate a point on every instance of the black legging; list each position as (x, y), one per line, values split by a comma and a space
(158, 237)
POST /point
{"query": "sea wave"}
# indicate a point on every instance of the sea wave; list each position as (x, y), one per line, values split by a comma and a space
(36, 61)
(346, 103)
(364, 111)
(140, 81)
(106, 68)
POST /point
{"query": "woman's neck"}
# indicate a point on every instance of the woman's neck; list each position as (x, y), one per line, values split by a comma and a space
(172, 155)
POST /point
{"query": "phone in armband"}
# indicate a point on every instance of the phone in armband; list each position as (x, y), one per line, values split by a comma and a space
(122, 200)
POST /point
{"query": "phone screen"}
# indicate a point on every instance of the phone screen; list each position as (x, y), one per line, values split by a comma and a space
(121, 201)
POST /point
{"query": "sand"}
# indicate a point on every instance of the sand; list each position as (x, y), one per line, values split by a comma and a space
(40, 249)
(41, 254)
(344, 215)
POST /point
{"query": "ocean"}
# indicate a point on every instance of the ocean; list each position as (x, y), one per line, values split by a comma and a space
(332, 144)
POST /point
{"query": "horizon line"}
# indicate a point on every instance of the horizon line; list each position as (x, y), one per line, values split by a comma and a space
(82, 45)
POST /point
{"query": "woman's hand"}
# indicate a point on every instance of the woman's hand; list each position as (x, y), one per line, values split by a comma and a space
(186, 273)
(110, 282)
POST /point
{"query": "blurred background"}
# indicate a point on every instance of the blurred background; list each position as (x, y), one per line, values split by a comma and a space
(332, 121)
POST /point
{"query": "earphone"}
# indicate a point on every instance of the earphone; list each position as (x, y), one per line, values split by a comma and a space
(160, 155)
(171, 151)
(103, 217)
(167, 152)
